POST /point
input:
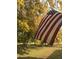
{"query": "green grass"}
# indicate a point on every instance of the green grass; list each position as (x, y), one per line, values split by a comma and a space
(56, 55)
(42, 53)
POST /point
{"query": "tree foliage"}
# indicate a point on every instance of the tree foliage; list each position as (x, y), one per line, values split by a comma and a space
(29, 15)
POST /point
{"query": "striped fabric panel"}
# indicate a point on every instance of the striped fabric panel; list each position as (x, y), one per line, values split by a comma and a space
(49, 27)
(40, 25)
(43, 22)
(46, 26)
(55, 33)
(52, 32)
(40, 28)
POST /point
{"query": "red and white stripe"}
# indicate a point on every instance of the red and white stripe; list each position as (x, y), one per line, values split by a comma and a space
(49, 27)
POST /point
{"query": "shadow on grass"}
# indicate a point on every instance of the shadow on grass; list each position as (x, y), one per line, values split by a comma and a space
(56, 55)
(22, 49)
(28, 58)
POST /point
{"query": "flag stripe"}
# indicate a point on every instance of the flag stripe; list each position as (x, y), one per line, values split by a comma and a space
(54, 36)
(44, 18)
(52, 26)
(50, 14)
(46, 25)
(49, 26)
(53, 31)
(41, 23)
(42, 26)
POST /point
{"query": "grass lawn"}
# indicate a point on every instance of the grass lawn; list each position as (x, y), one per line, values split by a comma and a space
(42, 53)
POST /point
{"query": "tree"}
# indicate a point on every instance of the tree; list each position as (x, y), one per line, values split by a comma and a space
(29, 15)
(51, 2)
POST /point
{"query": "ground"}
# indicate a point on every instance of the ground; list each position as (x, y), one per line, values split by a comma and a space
(42, 53)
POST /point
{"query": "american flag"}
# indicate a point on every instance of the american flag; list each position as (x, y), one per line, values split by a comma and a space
(49, 27)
